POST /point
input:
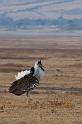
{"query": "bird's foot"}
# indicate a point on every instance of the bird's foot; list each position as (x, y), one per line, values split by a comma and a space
(27, 93)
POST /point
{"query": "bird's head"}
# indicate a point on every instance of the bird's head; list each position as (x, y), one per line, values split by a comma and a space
(39, 64)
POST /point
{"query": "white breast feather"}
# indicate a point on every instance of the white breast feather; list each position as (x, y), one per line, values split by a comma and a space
(39, 73)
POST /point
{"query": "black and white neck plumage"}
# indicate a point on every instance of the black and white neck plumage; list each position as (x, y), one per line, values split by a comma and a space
(39, 70)
(32, 70)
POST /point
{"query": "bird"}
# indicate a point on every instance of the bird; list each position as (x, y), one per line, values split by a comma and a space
(24, 84)
(27, 80)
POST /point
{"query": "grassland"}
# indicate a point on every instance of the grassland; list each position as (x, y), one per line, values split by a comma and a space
(58, 99)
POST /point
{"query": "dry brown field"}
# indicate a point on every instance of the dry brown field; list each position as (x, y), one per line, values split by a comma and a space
(58, 99)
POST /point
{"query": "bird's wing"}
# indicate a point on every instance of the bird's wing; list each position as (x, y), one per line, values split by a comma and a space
(22, 74)
(22, 85)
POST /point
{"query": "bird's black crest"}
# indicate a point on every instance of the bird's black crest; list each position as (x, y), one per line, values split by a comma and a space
(39, 62)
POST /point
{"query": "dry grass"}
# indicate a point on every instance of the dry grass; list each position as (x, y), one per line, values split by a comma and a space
(58, 100)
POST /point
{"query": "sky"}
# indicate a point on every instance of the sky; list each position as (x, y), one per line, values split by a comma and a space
(41, 15)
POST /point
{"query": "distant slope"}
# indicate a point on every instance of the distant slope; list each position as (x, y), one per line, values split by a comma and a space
(61, 15)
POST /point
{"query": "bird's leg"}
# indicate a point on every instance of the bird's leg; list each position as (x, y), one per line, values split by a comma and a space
(28, 89)
(27, 93)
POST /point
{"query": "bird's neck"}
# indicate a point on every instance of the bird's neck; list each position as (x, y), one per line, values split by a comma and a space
(39, 72)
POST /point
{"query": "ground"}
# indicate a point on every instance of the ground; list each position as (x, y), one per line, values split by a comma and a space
(58, 99)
